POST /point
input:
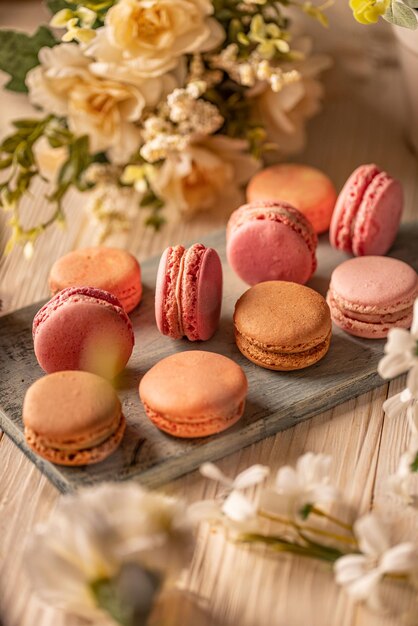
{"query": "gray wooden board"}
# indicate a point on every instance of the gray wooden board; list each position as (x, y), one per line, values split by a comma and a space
(276, 400)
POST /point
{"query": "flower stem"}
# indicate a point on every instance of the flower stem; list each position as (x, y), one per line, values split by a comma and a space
(306, 528)
(278, 544)
(331, 518)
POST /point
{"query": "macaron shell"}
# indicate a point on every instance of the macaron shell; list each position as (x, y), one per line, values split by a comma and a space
(82, 328)
(306, 188)
(201, 293)
(347, 205)
(375, 284)
(378, 217)
(194, 393)
(110, 269)
(271, 241)
(166, 308)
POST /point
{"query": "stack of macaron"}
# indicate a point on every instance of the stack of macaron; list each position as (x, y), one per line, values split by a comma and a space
(83, 337)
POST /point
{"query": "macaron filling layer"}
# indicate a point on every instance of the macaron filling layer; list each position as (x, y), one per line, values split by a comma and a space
(83, 442)
(194, 426)
(80, 456)
(275, 356)
(171, 315)
(188, 281)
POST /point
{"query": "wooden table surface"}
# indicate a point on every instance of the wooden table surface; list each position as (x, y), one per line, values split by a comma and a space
(362, 122)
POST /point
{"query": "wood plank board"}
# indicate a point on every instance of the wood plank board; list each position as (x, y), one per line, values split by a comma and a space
(276, 400)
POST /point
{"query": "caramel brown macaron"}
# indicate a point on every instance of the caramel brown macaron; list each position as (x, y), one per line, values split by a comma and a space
(73, 418)
(282, 326)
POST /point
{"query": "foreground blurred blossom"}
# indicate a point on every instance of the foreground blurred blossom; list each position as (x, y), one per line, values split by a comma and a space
(305, 485)
(404, 482)
(108, 550)
(361, 574)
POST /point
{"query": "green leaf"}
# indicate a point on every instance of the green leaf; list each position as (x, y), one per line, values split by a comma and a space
(412, 3)
(306, 511)
(414, 464)
(401, 15)
(56, 5)
(19, 54)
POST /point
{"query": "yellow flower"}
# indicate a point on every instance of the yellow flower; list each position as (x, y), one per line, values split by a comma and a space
(368, 11)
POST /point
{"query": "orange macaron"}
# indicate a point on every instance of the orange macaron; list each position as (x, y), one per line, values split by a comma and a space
(73, 418)
(306, 188)
(194, 393)
(282, 326)
(110, 269)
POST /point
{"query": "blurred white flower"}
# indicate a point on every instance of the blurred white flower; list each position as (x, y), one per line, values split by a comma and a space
(49, 160)
(231, 504)
(283, 113)
(112, 207)
(147, 37)
(92, 535)
(404, 482)
(361, 574)
(401, 354)
(307, 484)
(193, 179)
(105, 110)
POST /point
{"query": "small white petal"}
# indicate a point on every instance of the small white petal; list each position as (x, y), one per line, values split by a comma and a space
(400, 558)
(251, 476)
(414, 327)
(412, 380)
(210, 470)
(363, 587)
(394, 364)
(399, 340)
(372, 535)
(394, 406)
(238, 508)
(287, 480)
(349, 568)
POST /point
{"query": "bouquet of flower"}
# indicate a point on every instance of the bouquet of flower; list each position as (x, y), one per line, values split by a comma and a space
(169, 102)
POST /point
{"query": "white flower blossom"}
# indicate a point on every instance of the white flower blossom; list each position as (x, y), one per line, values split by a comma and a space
(404, 482)
(193, 178)
(307, 484)
(91, 535)
(401, 354)
(361, 574)
(148, 37)
(232, 504)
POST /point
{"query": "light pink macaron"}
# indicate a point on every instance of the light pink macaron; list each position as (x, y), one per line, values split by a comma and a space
(188, 292)
(271, 241)
(367, 213)
(370, 295)
(82, 328)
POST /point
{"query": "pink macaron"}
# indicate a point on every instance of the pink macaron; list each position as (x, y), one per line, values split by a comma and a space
(370, 295)
(188, 293)
(367, 213)
(83, 328)
(271, 241)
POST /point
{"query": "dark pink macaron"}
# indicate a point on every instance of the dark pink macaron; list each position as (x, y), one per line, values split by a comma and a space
(269, 240)
(367, 213)
(82, 328)
(188, 293)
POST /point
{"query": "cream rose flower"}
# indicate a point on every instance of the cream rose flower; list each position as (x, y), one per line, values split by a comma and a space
(105, 110)
(284, 114)
(148, 37)
(49, 160)
(194, 179)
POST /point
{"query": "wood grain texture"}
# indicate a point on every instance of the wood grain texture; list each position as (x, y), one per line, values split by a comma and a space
(362, 122)
(276, 400)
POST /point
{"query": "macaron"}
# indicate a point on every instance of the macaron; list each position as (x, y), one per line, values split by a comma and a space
(82, 328)
(194, 393)
(282, 326)
(109, 269)
(370, 295)
(367, 213)
(73, 418)
(271, 241)
(304, 187)
(188, 293)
